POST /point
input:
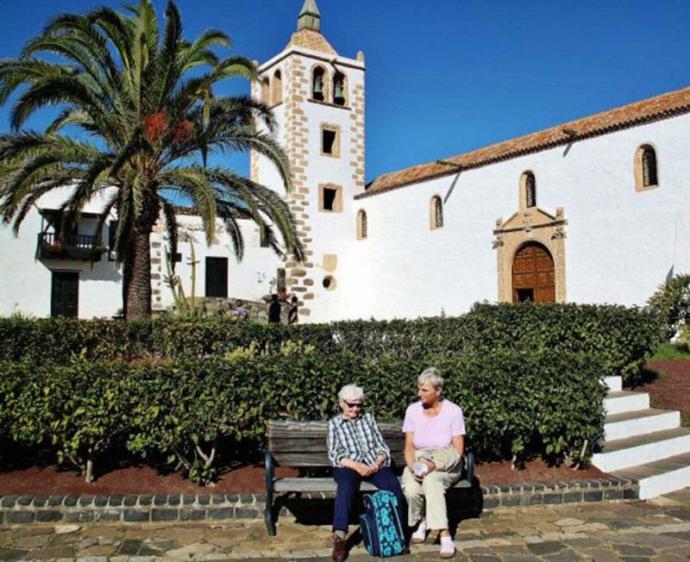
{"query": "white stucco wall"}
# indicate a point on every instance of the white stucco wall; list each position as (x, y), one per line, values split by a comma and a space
(250, 279)
(26, 281)
(620, 245)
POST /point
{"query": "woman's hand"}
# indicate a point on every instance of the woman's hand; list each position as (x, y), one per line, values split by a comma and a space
(430, 468)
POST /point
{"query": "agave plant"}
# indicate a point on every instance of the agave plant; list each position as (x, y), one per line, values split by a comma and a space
(137, 118)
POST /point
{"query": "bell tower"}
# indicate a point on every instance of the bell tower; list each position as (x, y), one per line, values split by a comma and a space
(318, 99)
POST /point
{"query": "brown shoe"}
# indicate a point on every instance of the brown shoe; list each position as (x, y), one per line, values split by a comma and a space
(339, 552)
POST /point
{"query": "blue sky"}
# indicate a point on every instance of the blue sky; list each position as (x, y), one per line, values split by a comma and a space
(447, 76)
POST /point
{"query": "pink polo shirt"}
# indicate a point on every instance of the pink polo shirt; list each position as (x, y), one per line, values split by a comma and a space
(436, 432)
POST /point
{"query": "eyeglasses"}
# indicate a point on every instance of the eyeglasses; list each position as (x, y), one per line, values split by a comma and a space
(359, 405)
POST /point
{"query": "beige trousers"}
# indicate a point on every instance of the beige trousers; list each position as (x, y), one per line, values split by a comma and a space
(432, 490)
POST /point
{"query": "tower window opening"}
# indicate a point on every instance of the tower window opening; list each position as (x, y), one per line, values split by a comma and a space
(318, 84)
(339, 89)
(277, 88)
(266, 91)
(329, 197)
(328, 138)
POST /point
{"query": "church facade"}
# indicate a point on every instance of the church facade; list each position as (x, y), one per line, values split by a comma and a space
(596, 210)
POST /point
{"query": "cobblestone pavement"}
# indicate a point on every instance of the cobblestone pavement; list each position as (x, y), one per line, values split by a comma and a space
(633, 531)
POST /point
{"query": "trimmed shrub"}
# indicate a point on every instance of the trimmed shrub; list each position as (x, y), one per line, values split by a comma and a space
(671, 303)
(517, 404)
(621, 337)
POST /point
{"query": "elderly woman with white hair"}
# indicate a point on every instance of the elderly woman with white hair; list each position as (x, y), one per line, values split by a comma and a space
(358, 452)
(434, 443)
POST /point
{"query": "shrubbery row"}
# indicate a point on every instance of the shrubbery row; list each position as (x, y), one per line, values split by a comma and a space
(621, 337)
(183, 411)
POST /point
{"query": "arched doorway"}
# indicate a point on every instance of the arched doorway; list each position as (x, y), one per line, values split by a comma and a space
(533, 274)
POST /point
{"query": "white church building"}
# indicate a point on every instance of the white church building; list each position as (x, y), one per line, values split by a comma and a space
(595, 210)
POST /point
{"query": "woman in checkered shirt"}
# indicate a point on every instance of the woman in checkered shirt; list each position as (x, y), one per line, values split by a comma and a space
(358, 453)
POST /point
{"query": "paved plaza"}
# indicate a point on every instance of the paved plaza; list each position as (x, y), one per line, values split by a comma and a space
(632, 531)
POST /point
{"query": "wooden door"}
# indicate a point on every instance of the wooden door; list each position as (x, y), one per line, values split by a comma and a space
(533, 274)
(217, 277)
(64, 299)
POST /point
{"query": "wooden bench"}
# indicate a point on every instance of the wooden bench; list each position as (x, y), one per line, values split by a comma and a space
(302, 444)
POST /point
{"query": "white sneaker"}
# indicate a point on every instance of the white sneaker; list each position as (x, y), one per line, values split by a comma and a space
(447, 547)
(419, 536)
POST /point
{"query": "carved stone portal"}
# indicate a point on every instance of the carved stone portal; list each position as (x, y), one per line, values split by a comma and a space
(536, 226)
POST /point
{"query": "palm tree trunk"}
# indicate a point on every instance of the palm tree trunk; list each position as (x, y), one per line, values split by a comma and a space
(137, 277)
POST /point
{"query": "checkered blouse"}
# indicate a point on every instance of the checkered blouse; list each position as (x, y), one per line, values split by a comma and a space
(359, 440)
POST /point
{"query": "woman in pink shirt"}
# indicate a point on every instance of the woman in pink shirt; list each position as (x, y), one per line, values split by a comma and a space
(434, 443)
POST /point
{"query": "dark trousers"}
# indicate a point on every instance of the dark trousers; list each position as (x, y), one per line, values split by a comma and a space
(348, 485)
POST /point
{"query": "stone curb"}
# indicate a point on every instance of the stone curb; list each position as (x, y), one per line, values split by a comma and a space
(569, 491)
(16, 510)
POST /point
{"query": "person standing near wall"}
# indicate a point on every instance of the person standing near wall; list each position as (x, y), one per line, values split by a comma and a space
(274, 310)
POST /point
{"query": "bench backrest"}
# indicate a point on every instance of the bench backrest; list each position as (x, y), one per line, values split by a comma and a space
(303, 443)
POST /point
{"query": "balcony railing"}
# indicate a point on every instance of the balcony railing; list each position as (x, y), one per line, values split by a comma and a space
(70, 247)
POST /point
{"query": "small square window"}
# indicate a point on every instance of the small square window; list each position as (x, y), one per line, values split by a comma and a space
(330, 141)
(330, 198)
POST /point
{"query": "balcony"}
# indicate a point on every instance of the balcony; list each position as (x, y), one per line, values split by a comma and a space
(70, 247)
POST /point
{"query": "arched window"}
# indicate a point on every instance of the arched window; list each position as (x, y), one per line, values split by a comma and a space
(646, 168)
(530, 190)
(266, 91)
(436, 213)
(339, 89)
(362, 225)
(318, 84)
(277, 89)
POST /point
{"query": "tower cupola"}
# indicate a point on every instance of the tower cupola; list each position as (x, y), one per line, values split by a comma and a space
(309, 17)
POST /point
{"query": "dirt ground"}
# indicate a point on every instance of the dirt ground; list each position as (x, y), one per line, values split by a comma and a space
(671, 389)
(145, 480)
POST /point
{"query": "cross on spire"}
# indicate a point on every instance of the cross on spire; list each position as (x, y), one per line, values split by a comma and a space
(309, 17)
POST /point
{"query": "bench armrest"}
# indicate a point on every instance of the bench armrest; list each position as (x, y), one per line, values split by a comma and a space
(470, 463)
(268, 509)
(270, 471)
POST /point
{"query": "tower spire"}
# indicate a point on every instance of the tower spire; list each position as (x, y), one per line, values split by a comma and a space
(309, 17)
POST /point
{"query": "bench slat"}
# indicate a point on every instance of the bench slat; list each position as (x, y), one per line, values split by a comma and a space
(287, 429)
(316, 485)
(319, 459)
(312, 445)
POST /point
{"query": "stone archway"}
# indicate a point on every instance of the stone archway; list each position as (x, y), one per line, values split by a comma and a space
(531, 228)
(533, 274)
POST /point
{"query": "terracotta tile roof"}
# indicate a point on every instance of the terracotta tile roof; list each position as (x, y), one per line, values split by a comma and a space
(652, 109)
(311, 39)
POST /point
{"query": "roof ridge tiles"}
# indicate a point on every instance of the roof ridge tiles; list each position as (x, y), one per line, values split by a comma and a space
(650, 109)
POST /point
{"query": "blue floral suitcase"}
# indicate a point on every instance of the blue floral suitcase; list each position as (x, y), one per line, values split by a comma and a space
(381, 529)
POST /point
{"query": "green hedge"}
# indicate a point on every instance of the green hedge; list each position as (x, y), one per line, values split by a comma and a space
(622, 338)
(185, 411)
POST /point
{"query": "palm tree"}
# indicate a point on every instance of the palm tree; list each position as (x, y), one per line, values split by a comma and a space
(144, 120)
